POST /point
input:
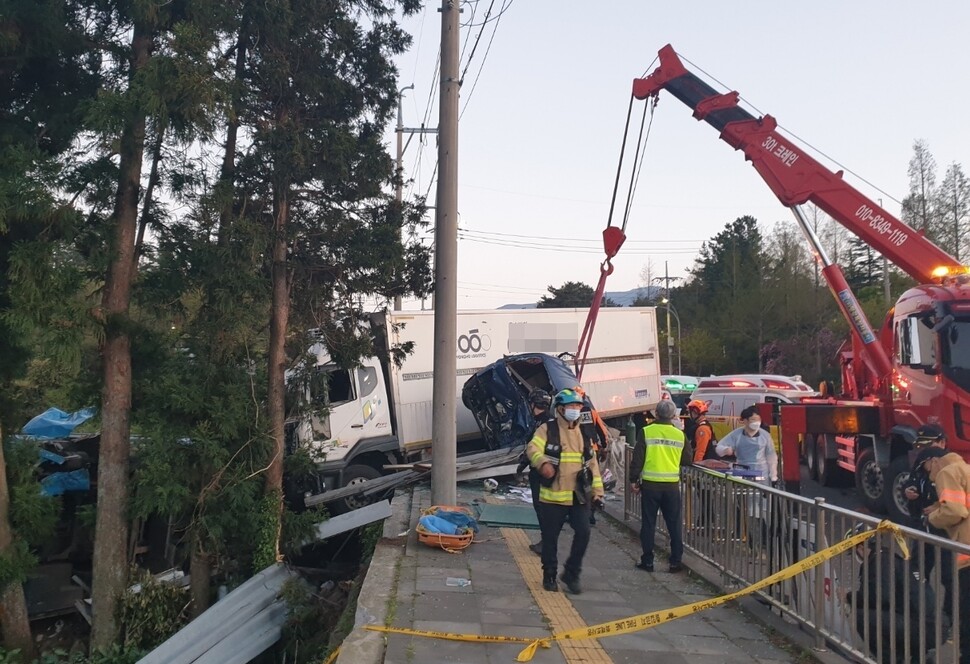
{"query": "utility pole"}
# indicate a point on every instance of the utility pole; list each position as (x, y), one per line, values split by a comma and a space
(399, 188)
(444, 430)
(670, 339)
(399, 171)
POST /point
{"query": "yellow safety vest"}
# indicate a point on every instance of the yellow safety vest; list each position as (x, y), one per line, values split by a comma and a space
(665, 445)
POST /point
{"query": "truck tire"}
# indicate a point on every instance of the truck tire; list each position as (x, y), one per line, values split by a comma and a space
(356, 474)
(869, 481)
(810, 460)
(826, 470)
(897, 506)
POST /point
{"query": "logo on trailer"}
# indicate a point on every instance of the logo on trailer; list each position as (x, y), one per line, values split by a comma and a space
(473, 344)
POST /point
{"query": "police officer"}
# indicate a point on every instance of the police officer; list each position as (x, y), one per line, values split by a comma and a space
(570, 483)
(655, 475)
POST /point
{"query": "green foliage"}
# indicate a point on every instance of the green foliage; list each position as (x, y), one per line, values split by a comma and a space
(306, 634)
(16, 563)
(33, 517)
(154, 613)
(267, 522)
(571, 294)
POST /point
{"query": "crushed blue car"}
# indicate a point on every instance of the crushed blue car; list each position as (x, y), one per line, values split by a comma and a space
(498, 396)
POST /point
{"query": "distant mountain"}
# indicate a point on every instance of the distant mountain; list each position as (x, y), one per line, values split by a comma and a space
(622, 298)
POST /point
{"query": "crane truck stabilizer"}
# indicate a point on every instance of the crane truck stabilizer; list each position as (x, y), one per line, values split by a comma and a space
(916, 369)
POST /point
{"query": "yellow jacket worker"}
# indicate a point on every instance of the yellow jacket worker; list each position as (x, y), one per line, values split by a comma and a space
(570, 484)
(655, 475)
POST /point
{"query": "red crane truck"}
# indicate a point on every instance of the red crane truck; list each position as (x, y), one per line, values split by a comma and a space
(914, 370)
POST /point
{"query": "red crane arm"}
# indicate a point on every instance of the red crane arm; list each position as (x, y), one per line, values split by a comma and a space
(794, 176)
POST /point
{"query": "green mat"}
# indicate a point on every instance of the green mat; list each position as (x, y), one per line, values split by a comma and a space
(508, 516)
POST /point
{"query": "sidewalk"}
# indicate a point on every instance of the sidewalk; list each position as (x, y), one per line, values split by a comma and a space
(406, 588)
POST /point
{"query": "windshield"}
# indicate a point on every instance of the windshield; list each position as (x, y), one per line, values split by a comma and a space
(956, 352)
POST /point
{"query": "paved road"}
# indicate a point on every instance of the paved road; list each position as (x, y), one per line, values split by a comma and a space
(843, 495)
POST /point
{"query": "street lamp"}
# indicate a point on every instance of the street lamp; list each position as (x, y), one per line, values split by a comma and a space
(670, 340)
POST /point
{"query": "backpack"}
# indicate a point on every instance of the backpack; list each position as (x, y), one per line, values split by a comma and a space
(687, 456)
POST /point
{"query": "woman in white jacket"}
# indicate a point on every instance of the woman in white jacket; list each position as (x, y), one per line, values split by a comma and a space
(752, 446)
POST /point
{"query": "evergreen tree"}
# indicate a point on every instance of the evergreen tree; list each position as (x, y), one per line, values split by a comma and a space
(571, 295)
(919, 207)
(953, 204)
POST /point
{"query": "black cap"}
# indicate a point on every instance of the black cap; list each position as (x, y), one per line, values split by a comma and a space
(929, 433)
(929, 453)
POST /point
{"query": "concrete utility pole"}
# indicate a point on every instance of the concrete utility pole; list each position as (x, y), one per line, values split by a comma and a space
(670, 339)
(399, 170)
(399, 189)
(444, 430)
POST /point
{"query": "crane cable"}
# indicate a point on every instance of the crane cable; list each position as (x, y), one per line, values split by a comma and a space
(613, 236)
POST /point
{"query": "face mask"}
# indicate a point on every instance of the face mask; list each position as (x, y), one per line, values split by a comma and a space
(570, 414)
(753, 426)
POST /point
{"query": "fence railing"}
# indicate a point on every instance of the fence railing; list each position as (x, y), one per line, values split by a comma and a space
(870, 604)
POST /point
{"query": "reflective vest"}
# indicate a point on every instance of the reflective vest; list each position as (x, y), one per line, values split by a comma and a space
(664, 447)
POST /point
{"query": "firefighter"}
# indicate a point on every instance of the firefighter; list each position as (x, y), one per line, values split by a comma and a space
(655, 475)
(702, 439)
(570, 484)
(951, 475)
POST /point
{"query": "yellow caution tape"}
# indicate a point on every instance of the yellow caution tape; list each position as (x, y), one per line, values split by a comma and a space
(654, 618)
(449, 636)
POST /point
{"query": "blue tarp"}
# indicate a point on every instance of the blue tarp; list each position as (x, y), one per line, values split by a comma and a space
(55, 423)
(57, 484)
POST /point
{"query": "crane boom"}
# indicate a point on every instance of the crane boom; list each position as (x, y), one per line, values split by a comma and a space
(794, 176)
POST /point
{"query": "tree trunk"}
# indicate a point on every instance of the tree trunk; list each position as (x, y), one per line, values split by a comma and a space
(110, 567)
(199, 580)
(14, 623)
(277, 357)
(228, 170)
(153, 178)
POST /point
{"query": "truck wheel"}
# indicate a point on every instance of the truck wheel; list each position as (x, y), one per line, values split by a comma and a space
(357, 474)
(827, 470)
(810, 460)
(897, 506)
(869, 481)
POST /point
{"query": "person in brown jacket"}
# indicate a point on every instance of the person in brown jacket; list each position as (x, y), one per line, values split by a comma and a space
(951, 475)
(570, 483)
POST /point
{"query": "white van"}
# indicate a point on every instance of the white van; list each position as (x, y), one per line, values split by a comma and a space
(727, 396)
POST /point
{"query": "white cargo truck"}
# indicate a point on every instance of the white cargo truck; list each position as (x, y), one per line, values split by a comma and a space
(380, 413)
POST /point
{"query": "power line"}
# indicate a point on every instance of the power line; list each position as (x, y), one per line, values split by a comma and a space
(488, 49)
(567, 239)
(573, 250)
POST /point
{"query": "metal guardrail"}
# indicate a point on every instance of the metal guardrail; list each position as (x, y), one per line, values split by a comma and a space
(870, 605)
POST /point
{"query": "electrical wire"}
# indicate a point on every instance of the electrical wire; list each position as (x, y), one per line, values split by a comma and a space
(478, 38)
(562, 239)
(573, 250)
(505, 6)
(488, 49)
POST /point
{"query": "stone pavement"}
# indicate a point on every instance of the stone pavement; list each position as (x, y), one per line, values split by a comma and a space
(409, 590)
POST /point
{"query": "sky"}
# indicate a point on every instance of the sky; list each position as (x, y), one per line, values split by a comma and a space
(541, 128)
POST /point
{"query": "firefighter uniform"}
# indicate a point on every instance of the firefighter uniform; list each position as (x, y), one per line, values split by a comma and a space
(564, 446)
